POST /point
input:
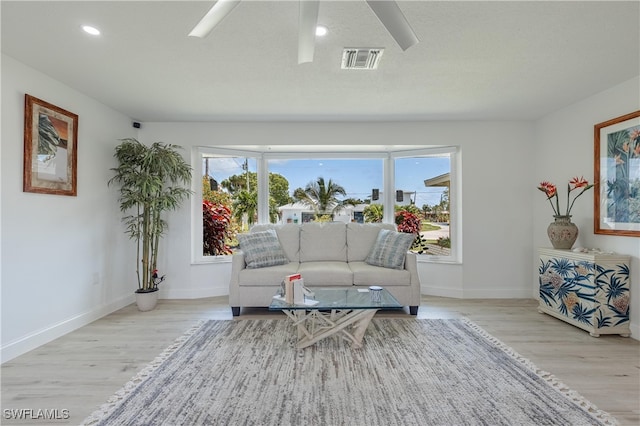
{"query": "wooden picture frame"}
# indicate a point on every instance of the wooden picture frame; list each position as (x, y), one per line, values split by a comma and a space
(617, 176)
(50, 148)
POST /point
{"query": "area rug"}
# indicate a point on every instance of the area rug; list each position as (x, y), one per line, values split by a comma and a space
(409, 372)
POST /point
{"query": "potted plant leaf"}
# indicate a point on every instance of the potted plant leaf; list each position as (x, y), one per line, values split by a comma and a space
(153, 179)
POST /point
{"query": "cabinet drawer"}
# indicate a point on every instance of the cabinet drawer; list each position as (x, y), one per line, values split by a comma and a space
(590, 291)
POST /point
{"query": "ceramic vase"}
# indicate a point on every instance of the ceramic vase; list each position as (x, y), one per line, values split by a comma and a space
(562, 232)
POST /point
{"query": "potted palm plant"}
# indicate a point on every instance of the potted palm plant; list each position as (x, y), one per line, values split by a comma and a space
(153, 179)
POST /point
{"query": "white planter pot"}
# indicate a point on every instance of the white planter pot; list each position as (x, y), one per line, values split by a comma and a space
(146, 301)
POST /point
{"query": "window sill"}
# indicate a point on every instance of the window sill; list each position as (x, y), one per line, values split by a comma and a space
(212, 260)
(437, 259)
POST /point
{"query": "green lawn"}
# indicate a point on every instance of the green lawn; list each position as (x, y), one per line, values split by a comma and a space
(426, 226)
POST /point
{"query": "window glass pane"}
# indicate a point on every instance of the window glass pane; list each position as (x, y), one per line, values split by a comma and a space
(303, 189)
(230, 201)
(422, 202)
(323, 189)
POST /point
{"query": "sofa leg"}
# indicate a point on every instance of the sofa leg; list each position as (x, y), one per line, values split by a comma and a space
(235, 311)
(413, 310)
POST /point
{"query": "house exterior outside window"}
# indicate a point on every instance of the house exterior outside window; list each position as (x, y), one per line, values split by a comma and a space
(239, 188)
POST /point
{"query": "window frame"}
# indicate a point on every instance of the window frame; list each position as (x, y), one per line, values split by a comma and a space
(262, 155)
(455, 199)
(350, 155)
(197, 155)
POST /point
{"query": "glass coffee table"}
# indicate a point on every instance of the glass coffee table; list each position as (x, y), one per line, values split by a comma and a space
(335, 310)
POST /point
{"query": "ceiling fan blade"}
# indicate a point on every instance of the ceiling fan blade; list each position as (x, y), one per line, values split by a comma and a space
(394, 21)
(217, 13)
(307, 31)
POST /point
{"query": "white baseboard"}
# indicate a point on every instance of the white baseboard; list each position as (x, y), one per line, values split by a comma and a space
(499, 293)
(457, 293)
(635, 331)
(38, 338)
(194, 293)
(441, 292)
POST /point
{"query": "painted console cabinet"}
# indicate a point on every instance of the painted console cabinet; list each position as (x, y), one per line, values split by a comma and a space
(587, 289)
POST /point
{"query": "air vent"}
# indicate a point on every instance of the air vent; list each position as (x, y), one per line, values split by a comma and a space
(361, 58)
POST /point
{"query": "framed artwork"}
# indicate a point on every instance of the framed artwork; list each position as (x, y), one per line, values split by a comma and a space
(617, 176)
(50, 148)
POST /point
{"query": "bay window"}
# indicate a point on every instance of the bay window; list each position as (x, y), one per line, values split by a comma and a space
(415, 189)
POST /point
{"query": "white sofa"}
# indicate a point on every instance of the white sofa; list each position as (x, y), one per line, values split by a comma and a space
(327, 255)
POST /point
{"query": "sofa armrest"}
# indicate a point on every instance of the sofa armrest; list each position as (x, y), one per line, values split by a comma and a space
(237, 264)
(411, 265)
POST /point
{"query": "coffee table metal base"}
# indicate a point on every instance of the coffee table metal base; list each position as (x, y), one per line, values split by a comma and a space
(314, 325)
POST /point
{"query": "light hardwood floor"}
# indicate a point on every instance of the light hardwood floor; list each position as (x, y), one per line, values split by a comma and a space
(81, 370)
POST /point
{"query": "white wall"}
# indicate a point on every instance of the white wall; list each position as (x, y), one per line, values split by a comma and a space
(64, 261)
(565, 145)
(496, 201)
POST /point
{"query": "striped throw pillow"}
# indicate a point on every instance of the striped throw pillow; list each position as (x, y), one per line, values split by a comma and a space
(390, 249)
(262, 249)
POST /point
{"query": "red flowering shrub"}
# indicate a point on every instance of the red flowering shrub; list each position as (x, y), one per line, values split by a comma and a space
(411, 224)
(408, 222)
(216, 228)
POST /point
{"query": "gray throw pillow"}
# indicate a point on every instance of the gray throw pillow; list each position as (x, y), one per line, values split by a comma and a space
(390, 249)
(262, 249)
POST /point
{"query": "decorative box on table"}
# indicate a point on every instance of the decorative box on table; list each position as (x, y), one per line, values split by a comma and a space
(588, 289)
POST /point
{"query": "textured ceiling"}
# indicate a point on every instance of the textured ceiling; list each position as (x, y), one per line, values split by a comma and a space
(475, 61)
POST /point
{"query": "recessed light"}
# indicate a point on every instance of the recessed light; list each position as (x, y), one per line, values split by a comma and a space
(90, 30)
(321, 30)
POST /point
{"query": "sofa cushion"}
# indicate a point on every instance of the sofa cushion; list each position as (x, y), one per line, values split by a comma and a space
(323, 242)
(326, 274)
(262, 249)
(361, 237)
(365, 274)
(390, 249)
(266, 277)
(288, 235)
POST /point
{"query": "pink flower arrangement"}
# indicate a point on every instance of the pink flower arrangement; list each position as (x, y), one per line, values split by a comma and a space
(551, 192)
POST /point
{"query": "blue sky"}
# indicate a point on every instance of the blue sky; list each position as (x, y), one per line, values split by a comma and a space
(358, 177)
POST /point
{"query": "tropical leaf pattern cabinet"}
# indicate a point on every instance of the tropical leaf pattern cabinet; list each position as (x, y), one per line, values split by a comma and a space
(589, 290)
